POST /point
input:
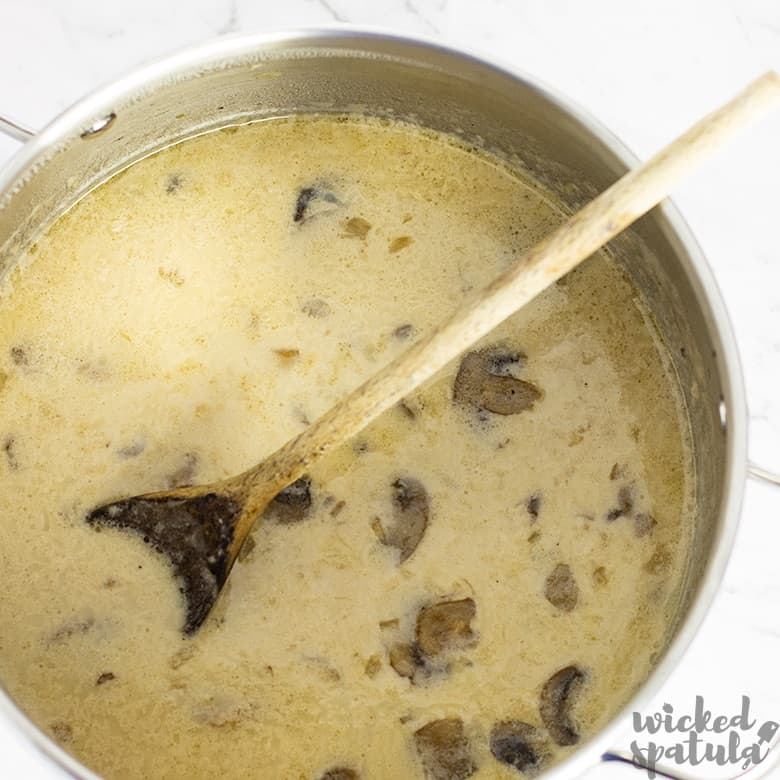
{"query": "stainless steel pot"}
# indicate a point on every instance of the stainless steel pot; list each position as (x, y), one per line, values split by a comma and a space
(244, 78)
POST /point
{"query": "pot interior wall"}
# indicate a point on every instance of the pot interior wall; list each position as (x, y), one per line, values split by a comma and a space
(485, 106)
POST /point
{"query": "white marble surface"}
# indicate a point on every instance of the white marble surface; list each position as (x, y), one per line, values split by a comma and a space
(646, 70)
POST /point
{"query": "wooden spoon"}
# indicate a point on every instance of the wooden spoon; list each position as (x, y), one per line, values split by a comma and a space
(202, 528)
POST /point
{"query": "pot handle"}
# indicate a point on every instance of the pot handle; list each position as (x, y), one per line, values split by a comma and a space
(14, 129)
(766, 768)
(755, 772)
(762, 475)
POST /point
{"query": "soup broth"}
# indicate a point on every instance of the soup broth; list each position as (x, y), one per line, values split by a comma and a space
(470, 588)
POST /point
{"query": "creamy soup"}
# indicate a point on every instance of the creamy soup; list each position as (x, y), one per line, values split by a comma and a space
(470, 588)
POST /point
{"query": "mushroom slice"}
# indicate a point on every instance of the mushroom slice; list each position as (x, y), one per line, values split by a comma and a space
(292, 504)
(444, 625)
(340, 773)
(533, 505)
(444, 750)
(410, 517)
(312, 201)
(561, 588)
(356, 227)
(484, 381)
(556, 701)
(625, 504)
(406, 659)
(519, 745)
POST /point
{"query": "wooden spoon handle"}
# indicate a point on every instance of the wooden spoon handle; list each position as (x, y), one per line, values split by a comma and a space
(588, 230)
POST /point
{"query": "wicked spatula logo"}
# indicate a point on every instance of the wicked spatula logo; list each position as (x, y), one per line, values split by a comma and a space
(700, 738)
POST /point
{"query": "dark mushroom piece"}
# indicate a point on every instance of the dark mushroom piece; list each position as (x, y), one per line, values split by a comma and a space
(445, 625)
(444, 750)
(313, 201)
(410, 517)
(340, 773)
(519, 745)
(292, 504)
(558, 696)
(625, 504)
(533, 506)
(561, 588)
(484, 381)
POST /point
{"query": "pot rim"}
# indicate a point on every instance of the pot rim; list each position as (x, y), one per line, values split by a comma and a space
(100, 102)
